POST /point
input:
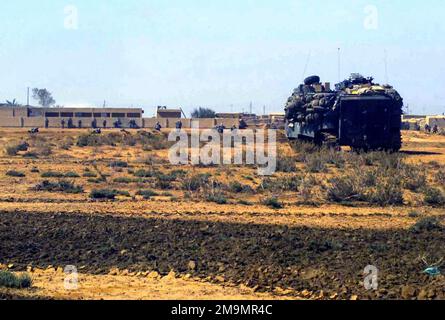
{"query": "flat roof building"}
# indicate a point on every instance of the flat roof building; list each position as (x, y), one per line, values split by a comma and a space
(165, 113)
(79, 117)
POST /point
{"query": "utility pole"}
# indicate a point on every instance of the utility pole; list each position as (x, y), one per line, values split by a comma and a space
(264, 110)
(251, 107)
(27, 99)
(105, 104)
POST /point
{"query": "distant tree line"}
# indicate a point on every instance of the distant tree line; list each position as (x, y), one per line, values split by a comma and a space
(202, 113)
(43, 96)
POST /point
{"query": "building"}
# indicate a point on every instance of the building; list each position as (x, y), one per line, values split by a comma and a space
(29, 117)
(229, 115)
(438, 121)
(165, 113)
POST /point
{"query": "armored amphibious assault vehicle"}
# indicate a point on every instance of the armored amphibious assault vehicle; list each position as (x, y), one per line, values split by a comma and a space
(357, 113)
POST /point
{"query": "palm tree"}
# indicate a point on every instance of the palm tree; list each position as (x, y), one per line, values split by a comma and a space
(12, 103)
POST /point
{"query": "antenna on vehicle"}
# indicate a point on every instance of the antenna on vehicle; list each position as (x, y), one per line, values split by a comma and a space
(306, 65)
(339, 64)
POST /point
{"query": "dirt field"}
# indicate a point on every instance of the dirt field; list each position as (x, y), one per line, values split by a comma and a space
(218, 232)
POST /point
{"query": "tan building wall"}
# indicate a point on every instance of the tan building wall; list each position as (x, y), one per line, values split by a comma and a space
(228, 123)
(5, 112)
(10, 122)
(150, 123)
(438, 120)
(206, 123)
(170, 123)
(18, 117)
(34, 122)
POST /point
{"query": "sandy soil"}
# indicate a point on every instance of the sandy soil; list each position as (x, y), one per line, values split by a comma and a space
(229, 251)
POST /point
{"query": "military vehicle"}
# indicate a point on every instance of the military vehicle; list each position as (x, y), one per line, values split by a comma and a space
(357, 113)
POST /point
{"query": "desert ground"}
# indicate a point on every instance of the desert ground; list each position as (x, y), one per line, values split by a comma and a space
(137, 227)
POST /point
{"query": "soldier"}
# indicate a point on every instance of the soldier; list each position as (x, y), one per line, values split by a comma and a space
(133, 124)
(179, 125)
(104, 124)
(158, 126)
(94, 124)
(435, 129)
(46, 123)
(80, 124)
(70, 123)
(427, 128)
(221, 128)
(242, 124)
(63, 123)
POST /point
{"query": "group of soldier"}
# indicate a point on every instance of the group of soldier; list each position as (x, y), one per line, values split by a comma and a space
(434, 130)
(70, 124)
(158, 127)
(220, 128)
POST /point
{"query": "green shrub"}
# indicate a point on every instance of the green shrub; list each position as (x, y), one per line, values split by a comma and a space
(147, 194)
(344, 189)
(44, 150)
(61, 186)
(285, 164)
(108, 194)
(154, 142)
(414, 179)
(273, 202)
(434, 196)
(31, 155)
(388, 193)
(89, 140)
(245, 203)
(145, 173)
(414, 214)
(290, 183)
(52, 174)
(13, 173)
(440, 177)
(426, 224)
(10, 280)
(237, 187)
(90, 174)
(315, 163)
(71, 175)
(217, 198)
(119, 164)
(14, 148)
(196, 182)
(97, 181)
(124, 180)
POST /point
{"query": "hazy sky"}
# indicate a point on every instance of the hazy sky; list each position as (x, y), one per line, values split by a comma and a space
(217, 53)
